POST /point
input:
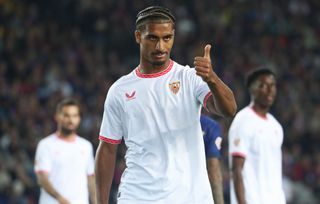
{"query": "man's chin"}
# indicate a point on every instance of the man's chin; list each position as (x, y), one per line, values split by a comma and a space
(267, 105)
(68, 131)
(158, 63)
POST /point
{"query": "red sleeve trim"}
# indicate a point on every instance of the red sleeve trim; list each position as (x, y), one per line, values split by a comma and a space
(238, 154)
(206, 99)
(108, 140)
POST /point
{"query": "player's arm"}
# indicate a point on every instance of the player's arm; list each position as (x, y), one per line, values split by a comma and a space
(104, 170)
(92, 189)
(237, 166)
(43, 181)
(222, 101)
(215, 178)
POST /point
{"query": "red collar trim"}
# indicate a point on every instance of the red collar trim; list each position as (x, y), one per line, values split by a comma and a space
(163, 72)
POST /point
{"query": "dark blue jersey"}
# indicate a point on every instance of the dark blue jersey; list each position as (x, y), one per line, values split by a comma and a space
(212, 136)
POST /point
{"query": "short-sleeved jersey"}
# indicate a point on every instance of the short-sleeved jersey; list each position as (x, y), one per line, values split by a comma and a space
(259, 141)
(157, 115)
(68, 164)
(212, 136)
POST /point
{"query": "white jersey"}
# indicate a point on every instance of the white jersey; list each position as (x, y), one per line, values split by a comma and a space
(259, 141)
(68, 164)
(158, 115)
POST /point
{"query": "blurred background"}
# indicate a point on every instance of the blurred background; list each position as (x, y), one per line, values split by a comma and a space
(54, 49)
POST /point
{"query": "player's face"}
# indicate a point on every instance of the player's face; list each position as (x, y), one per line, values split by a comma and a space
(68, 119)
(265, 90)
(156, 42)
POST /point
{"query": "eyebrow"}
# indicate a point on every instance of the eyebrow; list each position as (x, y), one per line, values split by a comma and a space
(169, 35)
(152, 35)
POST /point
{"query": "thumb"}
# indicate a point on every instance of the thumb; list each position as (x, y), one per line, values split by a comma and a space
(207, 51)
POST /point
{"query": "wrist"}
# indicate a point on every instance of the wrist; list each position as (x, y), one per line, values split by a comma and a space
(212, 83)
(58, 197)
(213, 80)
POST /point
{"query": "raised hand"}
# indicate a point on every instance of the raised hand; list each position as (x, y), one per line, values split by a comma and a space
(203, 65)
(222, 102)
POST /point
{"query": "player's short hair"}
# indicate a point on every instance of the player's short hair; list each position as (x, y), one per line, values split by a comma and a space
(254, 74)
(156, 14)
(67, 102)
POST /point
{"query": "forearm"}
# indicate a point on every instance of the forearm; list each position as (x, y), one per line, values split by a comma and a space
(92, 189)
(104, 170)
(217, 188)
(215, 178)
(239, 187)
(223, 99)
(44, 182)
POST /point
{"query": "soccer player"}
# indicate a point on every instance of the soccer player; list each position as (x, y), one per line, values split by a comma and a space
(212, 140)
(255, 139)
(156, 110)
(64, 162)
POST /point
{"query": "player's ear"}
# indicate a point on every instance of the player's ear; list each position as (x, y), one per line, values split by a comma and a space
(56, 117)
(254, 86)
(137, 35)
(252, 91)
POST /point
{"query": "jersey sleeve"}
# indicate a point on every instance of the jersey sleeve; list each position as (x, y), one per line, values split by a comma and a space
(213, 142)
(239, 138)
(111, 130)
(201, 89)
(43, 159)
(211, 136)
(90, 166)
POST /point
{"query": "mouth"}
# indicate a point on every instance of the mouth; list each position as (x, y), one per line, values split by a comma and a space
(71, 126)
(159, 55)
(270, 98)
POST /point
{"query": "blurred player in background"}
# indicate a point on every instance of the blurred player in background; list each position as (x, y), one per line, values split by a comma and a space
(212, 137)
(64, 162)
(156, 109)
(255, 139)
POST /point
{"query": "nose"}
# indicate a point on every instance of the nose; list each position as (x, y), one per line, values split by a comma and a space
(159, 45)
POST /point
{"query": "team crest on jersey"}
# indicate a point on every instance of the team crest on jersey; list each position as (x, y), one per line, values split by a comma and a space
(174, 87)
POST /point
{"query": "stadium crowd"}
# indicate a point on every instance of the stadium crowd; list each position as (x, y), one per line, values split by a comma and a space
(77, 48)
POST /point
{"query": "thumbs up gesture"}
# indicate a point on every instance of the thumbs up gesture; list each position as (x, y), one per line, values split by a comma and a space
(203, 65)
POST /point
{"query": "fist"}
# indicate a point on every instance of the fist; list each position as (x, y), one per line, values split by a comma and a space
(203, 65)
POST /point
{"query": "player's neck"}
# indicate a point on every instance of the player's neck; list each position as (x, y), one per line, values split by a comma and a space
(146, 67)
(69, 137)
(261, 111)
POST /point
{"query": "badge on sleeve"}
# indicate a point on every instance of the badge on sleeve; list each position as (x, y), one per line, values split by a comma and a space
(218, 142)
